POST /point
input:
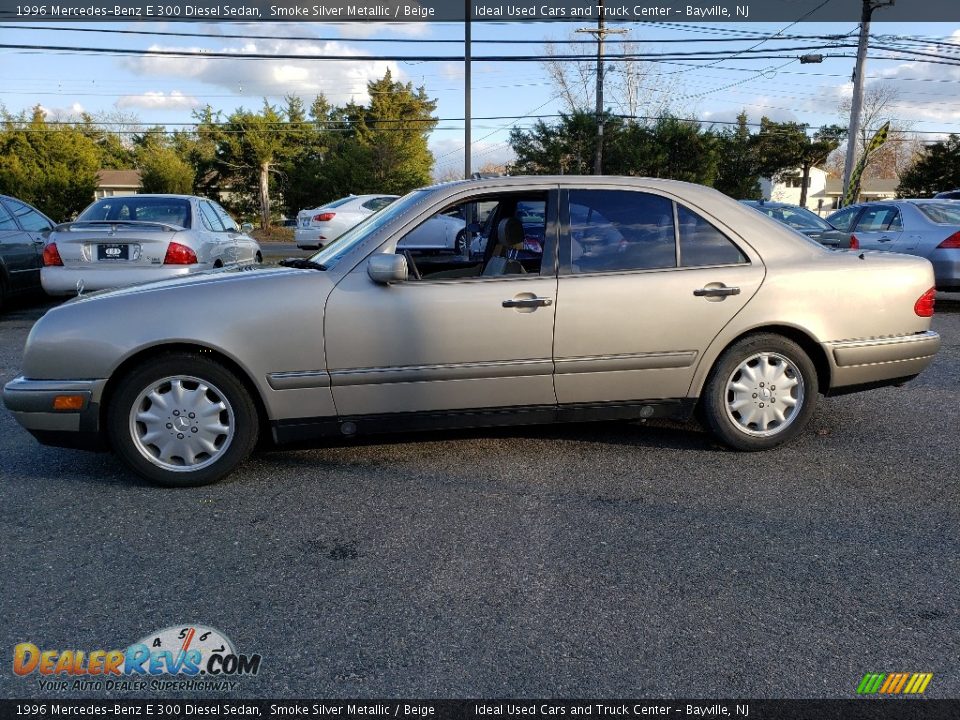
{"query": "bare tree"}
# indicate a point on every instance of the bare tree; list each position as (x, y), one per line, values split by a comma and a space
(894, 156)
(634, 88)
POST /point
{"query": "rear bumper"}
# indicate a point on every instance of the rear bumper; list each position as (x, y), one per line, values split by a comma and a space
(308, 238)
(946, 268)
(63, 280)
(31, 404)
(862, 362)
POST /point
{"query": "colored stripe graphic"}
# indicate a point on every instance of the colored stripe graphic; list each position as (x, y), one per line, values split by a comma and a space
(894, 683)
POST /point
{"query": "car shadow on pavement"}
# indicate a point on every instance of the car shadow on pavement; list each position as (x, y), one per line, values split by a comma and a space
(657, 434)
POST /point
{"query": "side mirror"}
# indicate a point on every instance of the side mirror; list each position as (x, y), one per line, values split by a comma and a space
(386, 268)
(474, 227)
(246, 227)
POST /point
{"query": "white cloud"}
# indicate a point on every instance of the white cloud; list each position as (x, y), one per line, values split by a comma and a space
(62, 114)
(340, 80)
(155, 100)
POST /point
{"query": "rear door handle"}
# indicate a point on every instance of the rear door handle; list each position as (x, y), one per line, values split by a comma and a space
(885, 239)
(717, 291)
(528, 302)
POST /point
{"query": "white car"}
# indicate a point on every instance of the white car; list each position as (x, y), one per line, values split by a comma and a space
(319, 226)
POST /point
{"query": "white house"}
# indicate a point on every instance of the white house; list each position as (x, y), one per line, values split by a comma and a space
(117, 182)
(786, 189)
(823, 189)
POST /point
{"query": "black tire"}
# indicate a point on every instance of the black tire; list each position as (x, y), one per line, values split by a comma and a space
(460, 243)
(258, 258)
(744, 365)
(129, 438)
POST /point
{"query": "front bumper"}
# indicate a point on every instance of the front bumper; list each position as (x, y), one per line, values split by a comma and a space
(31, 404)
(879, 360)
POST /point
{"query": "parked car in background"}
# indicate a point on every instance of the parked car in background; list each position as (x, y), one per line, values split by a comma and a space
(667, 297)
(803, 220)
(928, 228)
(320, 226)
(128, 239)
(948, 195)
(23, 231)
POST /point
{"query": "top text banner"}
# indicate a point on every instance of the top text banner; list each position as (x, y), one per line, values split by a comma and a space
(731, 11)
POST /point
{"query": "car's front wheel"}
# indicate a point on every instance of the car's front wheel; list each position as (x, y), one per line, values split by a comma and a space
(761, 393)
(182, 420)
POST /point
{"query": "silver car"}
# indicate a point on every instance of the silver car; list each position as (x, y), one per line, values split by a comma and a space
(649, 299)
(928, 228)
(129, 239)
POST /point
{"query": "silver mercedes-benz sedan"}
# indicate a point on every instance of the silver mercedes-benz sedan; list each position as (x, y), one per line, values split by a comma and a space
(648, 299)
(128, 239)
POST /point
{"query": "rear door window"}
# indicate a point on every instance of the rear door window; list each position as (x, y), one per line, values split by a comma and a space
(880, 218)
(209, 218)
(228, 222)
(620, 230)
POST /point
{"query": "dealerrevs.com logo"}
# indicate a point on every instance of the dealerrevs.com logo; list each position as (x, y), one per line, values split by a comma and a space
(185, 657)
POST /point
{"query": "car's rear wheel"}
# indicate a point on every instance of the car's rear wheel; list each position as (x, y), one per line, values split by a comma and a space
(460, 243)
(182, 420)
(761, 393)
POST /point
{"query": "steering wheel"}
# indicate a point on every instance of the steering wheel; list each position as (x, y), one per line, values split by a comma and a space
(412, 265)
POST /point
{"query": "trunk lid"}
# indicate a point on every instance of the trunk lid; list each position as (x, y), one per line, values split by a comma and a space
(126, 243)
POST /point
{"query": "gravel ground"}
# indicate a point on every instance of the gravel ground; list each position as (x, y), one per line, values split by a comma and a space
(605, 560)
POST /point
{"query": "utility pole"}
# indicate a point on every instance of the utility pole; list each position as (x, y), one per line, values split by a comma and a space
(600, 33)
(856, 104)
(467, 90)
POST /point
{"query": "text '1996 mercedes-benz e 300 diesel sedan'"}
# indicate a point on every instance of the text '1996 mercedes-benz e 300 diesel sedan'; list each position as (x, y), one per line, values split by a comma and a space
(648, 298)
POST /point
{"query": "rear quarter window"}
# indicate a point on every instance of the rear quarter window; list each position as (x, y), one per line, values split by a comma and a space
(702, 244)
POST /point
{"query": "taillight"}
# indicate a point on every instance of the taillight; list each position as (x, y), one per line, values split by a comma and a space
(51, 256)
(951, 243)
(178, 254)
(924, 306)
(324, 217)
(854, 243)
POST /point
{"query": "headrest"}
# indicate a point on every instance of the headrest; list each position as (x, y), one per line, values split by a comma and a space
(510, 233)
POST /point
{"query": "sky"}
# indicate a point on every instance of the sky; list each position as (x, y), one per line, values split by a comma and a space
(167, 90)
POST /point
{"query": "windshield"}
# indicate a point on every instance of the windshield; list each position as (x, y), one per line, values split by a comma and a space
(139, 208)
(941, 213)
(332, 253)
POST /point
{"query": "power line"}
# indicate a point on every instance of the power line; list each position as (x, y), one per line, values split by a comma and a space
(417, 41)
(651, 57)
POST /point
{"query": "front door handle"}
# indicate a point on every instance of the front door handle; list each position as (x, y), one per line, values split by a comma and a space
(885, 239)
(528, 302)
(716, 291)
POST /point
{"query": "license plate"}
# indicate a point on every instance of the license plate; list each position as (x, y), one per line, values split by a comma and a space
(113, 252)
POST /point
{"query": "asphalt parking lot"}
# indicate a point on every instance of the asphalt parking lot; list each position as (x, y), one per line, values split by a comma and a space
(606, 560)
